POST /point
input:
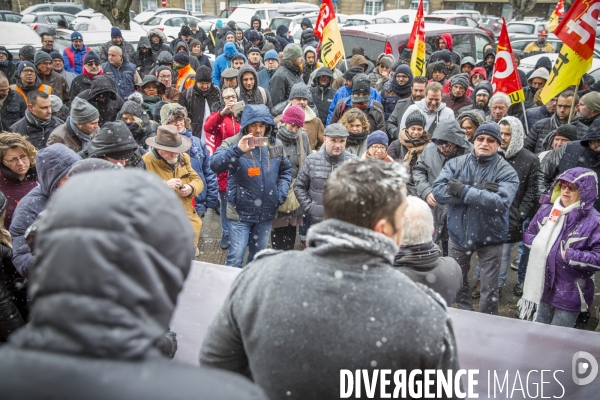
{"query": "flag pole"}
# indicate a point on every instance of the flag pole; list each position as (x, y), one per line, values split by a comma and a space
(573, 105)
(525, 117)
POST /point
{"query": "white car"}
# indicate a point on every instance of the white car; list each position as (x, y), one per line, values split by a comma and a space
(245, 12)
(101, 23)
(363, 19)
(146, 15)
(170, 24)
(15, 36)
(528, 64)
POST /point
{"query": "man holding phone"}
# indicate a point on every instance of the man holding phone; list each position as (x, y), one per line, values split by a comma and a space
(260, 175)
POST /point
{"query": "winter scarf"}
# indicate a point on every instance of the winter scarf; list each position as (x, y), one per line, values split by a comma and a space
(40, 123)
(285, 134)
(357, 138)
(540, 248)
(193, 151)
(401, 91)
(5, 64)
(415, 146)
(419, 256)
(83, 138)
(86, 73)
(334, 235)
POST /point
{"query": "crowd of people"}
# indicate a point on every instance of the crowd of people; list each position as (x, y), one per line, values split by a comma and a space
(400, 178)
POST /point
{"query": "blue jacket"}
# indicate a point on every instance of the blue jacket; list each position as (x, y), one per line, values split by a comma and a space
(254, 199)
(478, 218)
(346, 92)
(264, 77)
(223, 62)
(53, 163)
(201, 164)
(123, 77)
(73, 58)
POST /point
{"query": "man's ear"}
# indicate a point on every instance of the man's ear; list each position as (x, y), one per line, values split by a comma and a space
(384, 227)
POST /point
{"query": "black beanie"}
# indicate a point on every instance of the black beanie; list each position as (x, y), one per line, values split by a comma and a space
(568, 131)
(204, 74)
(352, 72)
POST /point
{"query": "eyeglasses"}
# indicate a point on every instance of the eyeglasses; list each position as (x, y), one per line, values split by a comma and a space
(46, 63)
(28, 71)
(482, 139)
(444, 145)
(93, 64)
(378, 148)
(22, 158)
(568, 185)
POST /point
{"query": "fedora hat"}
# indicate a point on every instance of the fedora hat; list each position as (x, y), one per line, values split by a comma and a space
(168, 139)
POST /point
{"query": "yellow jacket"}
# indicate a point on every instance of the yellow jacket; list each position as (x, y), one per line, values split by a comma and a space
(184, 171)
(534, 47)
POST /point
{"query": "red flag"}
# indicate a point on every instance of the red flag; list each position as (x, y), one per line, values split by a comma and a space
(506, 77)
(326, 14)
(418, 27)
(578, 27)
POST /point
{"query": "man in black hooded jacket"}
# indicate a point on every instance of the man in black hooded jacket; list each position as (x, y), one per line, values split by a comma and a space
(322, 92)
(103, 95)
(104, 320)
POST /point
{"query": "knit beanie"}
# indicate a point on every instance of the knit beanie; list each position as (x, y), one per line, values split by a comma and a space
(76, 36)
(82, 111)
(268, 47)
(294, 115)
(445, 56)
(219, 24)
(132, 106)
(361, 84)
(292, 52)
(114, 32)
(405, 69)
(415, 118)
(253, 49)
(23, 64)
(41, 56)
(352, 72)
(300, 90)
(55, 103)
(56, 54)
(91, 56)
(182, 58)
(253, 35)
(567, 131)
(489, 128)
(460, 79)
(439, 66)
(228, 33)
(232, 25)
(377, 137)
(592, 101)
(185, 31)
(271, 55)
(204, 74)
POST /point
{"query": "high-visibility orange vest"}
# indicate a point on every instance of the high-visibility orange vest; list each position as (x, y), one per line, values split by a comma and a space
(43, 88)
(186, 78)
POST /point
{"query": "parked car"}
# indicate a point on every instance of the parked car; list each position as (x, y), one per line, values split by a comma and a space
(525, 27)
(297, 8)
(46, 21)
(101, 23)
(142, 17)
(528, 64)
(476, 15)
(293, 24)
(90, 12)
(170, 24)
(245, 12)
(364, 19)
(393, 38)
(460, 20)
(10, 16)
(15, 36)
(70, 8)
(227, 12)
(400, 16)
(492, 23)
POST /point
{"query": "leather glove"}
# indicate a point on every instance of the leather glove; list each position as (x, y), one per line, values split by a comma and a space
(455, 187)
(489, 186)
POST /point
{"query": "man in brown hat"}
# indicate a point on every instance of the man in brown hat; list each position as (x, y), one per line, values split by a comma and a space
(168, 160)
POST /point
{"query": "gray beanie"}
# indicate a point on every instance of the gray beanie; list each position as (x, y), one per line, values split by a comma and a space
(592, 101)
(82, 111)
(292, 52)
(56, 103)
(132, 106)
(460, 79)
(41, 56)
(415, 118)
(300, 90)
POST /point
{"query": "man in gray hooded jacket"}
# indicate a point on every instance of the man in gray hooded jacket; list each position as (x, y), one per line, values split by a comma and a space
(340, 305)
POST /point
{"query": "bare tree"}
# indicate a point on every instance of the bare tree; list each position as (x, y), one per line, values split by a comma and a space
(5, 4)
(117, 11)
(520, 7)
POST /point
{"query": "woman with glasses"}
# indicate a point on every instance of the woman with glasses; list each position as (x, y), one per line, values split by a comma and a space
(165, 76)
(564, 237)
(17, 173)
(220, 125)
(469, 121)
(91, 69)
(358, 126)
(377, 144)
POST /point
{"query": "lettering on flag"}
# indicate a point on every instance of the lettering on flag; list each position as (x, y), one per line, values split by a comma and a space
(326, 14)
(417, 43)
(332, 49)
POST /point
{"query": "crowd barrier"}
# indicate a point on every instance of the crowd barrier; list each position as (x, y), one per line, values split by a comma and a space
(514, 359)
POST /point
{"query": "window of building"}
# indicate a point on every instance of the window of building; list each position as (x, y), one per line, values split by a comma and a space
(373, 7)
(414, 5)
(193, 5)
(148, 5)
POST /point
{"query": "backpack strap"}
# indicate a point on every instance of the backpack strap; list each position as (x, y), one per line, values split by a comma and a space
(263, 93)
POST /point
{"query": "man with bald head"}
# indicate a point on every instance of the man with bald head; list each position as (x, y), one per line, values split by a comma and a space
(121, 71)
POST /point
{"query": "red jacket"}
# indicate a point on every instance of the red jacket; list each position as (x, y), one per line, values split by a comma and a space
(221, 127)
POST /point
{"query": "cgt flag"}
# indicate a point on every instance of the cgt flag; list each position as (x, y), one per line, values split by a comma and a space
(417, 43)
(577, 31)
(332, 49)
(506, 77)
(558, 13)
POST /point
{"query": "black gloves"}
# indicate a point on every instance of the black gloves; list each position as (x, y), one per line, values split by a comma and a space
(489, 186)
(455, 187)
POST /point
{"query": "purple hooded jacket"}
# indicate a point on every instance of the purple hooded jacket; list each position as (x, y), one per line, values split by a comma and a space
(580, 237)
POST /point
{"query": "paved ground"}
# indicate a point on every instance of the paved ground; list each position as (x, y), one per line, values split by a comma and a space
(212, 253)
